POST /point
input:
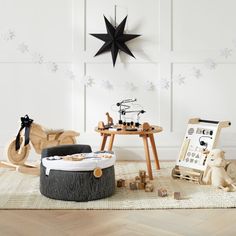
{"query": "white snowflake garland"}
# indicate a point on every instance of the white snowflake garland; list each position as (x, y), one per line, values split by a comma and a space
(226, 53)
(210, 64)
(181, 79)
(10, 35)
(165, 84)
(150, 86)
(70, 74)
(88, 81)
(23, 48)
(197, 73)
(37, 58)
(53, 67)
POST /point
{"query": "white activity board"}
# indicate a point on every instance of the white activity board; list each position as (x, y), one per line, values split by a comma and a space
(200, 135)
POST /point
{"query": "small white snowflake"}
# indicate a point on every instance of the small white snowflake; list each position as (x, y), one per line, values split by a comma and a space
(71, 74)
(210, 64)
(37, 58)
(150, 86)
(197, 73)
(106, 84)
(130, 86)
(88, 81)
(23, 48)
(181, 79)
(226, 52)
(10, 35)
(53, 67)
(165, 84)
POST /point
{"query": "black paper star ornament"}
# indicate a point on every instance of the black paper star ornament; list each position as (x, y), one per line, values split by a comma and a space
(115, 40)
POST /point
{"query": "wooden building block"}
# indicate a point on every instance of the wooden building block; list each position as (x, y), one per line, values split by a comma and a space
(142, 173)
(162, 192)
(177, 196)
(133, 186)
(120, 183)
(143, 180)
(149, 188)
(141, 185)
(137, 178)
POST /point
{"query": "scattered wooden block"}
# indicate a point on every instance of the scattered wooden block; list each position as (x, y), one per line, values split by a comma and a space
(162, 192)
(149, 188)
(141, 185)
(120, 183)
(137, 178)
(133, 186)
(143, 180)
(177, 196)
(142, 173)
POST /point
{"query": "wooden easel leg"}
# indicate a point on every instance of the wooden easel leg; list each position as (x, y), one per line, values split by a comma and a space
(104, 140)
(147, 154)
(111, 142)
(154, 150)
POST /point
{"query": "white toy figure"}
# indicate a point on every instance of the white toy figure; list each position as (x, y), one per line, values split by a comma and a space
(215, 173)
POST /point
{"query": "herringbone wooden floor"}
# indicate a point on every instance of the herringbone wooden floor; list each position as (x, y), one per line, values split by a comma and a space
(95, 223)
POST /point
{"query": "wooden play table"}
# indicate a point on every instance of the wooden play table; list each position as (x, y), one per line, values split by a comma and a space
(145, 135)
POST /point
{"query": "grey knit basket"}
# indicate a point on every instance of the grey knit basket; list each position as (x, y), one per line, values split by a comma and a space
(77, 186)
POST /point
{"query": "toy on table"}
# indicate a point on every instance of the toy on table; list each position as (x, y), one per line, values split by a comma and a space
(37, 137)
(109, 120)
(101, 125)
(125, 109)
(215, 173)
(201, 135)
(124, 123)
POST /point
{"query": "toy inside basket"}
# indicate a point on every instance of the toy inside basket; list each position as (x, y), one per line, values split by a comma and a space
(201, 135)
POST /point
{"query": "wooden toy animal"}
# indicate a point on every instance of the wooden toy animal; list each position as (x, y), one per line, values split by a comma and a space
(215, 174)
(145, 126)
(37, 137)
(109, 120)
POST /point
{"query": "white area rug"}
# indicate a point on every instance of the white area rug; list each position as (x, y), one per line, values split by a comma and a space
(19, 191)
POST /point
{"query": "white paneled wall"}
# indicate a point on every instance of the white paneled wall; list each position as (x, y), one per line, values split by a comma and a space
(178, 36)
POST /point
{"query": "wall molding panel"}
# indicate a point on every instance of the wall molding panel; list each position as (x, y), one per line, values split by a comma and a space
(177, 52)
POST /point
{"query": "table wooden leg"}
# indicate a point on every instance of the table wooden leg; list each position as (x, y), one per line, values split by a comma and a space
(111, 142)
(147, 154)
(154, 150)
(104, 140)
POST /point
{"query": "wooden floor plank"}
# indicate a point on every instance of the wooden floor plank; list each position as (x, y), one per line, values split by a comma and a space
(116, 223)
